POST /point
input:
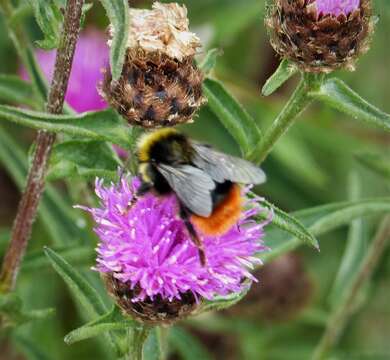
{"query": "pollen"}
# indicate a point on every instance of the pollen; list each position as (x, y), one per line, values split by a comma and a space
(224, 216)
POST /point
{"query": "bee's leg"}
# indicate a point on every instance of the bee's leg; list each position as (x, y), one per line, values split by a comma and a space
(142, 190)
(185, 216)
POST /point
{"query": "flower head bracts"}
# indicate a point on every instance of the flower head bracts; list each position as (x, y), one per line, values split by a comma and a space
(148, 247)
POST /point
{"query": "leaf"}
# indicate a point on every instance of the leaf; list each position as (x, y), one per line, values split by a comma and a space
(288, 223)
(322, 219)
(13, 314)
(83, 158)
(241, 126)
(224, 302)
(102, 325)
(102, 125)
(16, 91)
(152, 349)
(83, 255)
(54, 211)
(30, 349)
(338, 95)
(380, 163)
(284, 72)
(209, 61)
(80, 288)
(188, 346)
(119, 16)
(49, 18)
(4, 240)
(355, 249)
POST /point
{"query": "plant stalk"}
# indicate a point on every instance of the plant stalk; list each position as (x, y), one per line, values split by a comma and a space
(340, 317)
(298, 102)
(137, 338)
(28, 205)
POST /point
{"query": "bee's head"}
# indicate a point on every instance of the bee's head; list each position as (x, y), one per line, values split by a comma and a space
(163, 146)
(147, 143)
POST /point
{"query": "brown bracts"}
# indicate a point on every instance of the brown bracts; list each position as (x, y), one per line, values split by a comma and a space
(319, 41)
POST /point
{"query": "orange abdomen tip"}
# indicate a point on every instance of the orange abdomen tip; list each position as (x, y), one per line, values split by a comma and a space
(224, 216)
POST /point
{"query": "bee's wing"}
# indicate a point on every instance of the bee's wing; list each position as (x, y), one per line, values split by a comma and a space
(223, 167)
(191, 185)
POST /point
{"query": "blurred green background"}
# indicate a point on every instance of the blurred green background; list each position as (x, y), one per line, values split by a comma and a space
(314, 164)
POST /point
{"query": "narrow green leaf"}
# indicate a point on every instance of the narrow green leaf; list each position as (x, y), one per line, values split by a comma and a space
(288, 223)
(380, 163)
(284, 72)
(102, 125)
(30, 348)
(241, 126)
(355, 248)
(55, 213)
(209, 61)
(152, 349)
(187, 345)
(322, 219)
(119, 16)
(103, 324)
(49, 18)
(224, 302)
(12, 312)
(4, 239)
(83, 255)
(81, 289)
(338, 95)
(83, 158)
(16, 91)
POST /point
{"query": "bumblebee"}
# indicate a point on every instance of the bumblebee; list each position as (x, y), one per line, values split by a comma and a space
(204, 180)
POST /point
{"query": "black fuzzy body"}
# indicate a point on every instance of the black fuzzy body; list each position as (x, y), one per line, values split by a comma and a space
(175, 150)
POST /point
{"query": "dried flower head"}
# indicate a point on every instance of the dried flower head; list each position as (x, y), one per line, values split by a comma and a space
(150, 264)
(160, 84)
(320, 35)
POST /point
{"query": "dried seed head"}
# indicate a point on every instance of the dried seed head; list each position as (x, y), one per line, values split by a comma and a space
(152, 311)
(320, 35)
(160, 84)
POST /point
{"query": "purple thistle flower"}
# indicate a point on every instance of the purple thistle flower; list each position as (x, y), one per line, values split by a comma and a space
(91, 57)
(336, 7)
(147, 246)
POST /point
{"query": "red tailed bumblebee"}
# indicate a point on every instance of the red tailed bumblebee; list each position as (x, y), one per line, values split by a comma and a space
(204, 180)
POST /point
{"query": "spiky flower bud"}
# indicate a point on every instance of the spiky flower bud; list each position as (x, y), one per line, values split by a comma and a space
(160, 84)
(320, 35)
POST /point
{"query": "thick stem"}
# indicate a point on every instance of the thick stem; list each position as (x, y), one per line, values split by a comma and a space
(297, 103)
(28, 205)
(342, 314)
(137, 338)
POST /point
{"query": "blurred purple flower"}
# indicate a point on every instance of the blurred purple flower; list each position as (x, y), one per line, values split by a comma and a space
(91, 57)
(336, 7)
(148, 245)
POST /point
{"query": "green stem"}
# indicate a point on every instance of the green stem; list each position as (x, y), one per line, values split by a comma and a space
(137, 338)
(298, 102)
(340, 317)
